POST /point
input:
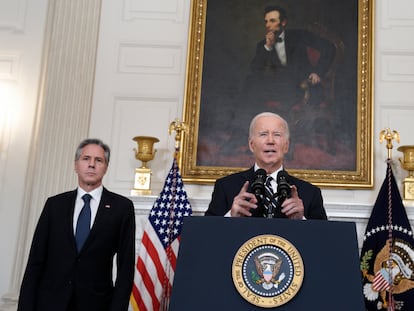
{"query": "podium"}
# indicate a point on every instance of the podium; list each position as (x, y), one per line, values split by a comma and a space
(204, 276)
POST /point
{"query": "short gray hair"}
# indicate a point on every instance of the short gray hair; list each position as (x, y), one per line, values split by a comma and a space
(268, 114)
(93, 141)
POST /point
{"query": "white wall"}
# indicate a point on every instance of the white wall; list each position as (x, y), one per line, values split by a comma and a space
(21, 36)
(136, 94)
(142, 57)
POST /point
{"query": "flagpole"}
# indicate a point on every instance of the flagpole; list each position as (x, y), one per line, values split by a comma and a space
(178, 127)
(389, 136)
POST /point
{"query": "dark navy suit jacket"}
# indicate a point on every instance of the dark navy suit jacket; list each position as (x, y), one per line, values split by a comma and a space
(226, 188)
(56, 274)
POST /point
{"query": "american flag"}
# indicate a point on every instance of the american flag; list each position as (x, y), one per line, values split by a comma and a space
(159, 246)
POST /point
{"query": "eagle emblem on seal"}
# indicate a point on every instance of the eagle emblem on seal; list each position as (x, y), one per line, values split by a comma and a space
(268, 268)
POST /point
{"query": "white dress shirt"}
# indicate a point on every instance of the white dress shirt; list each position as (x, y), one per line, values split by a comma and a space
(281, 50)
(94, 203)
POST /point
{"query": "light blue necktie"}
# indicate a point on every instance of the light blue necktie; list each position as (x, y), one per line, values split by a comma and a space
(83, 225)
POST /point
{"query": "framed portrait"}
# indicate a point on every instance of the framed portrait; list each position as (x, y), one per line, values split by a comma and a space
(230, 78)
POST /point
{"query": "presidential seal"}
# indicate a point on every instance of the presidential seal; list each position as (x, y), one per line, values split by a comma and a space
(267, 271)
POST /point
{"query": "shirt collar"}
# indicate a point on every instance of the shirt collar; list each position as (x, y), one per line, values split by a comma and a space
(95, 193)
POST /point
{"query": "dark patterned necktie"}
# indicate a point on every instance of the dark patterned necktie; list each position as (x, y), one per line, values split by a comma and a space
(270, 200)
(83, 225)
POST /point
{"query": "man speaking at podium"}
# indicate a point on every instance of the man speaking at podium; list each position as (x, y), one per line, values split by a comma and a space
(266, 190)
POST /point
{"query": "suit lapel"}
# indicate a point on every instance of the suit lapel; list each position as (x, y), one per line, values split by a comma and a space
(288, 46)
(69, 206)
(249, 174)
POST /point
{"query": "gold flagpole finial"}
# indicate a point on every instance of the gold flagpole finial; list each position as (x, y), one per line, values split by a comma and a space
(389, 136)
(178, 127)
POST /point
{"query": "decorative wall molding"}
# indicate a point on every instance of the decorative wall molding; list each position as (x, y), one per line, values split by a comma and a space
(396, 13)
(9, 66)
(9, 75)
(155, 9)
(12, 15)
(397, 66)
(398, 117)
(150, 58)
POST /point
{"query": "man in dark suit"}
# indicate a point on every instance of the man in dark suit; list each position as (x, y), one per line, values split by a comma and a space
(71, 271)
(269, 142)
(282, 68)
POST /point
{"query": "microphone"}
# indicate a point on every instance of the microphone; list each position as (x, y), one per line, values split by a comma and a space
(258, 184)
(284, 189)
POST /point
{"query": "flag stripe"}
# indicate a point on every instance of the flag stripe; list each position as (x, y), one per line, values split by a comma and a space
(134, 298)
(174, 247)
(156, 257)
(149, 265)
(150, 296)
(139, 297)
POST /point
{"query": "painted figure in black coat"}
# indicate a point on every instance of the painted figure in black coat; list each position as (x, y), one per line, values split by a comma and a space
(282, 68)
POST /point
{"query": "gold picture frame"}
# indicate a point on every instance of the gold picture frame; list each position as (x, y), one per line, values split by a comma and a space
(211, 37)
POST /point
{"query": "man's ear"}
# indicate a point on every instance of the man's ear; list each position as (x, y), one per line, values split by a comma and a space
(251, 145)
(287, 146)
